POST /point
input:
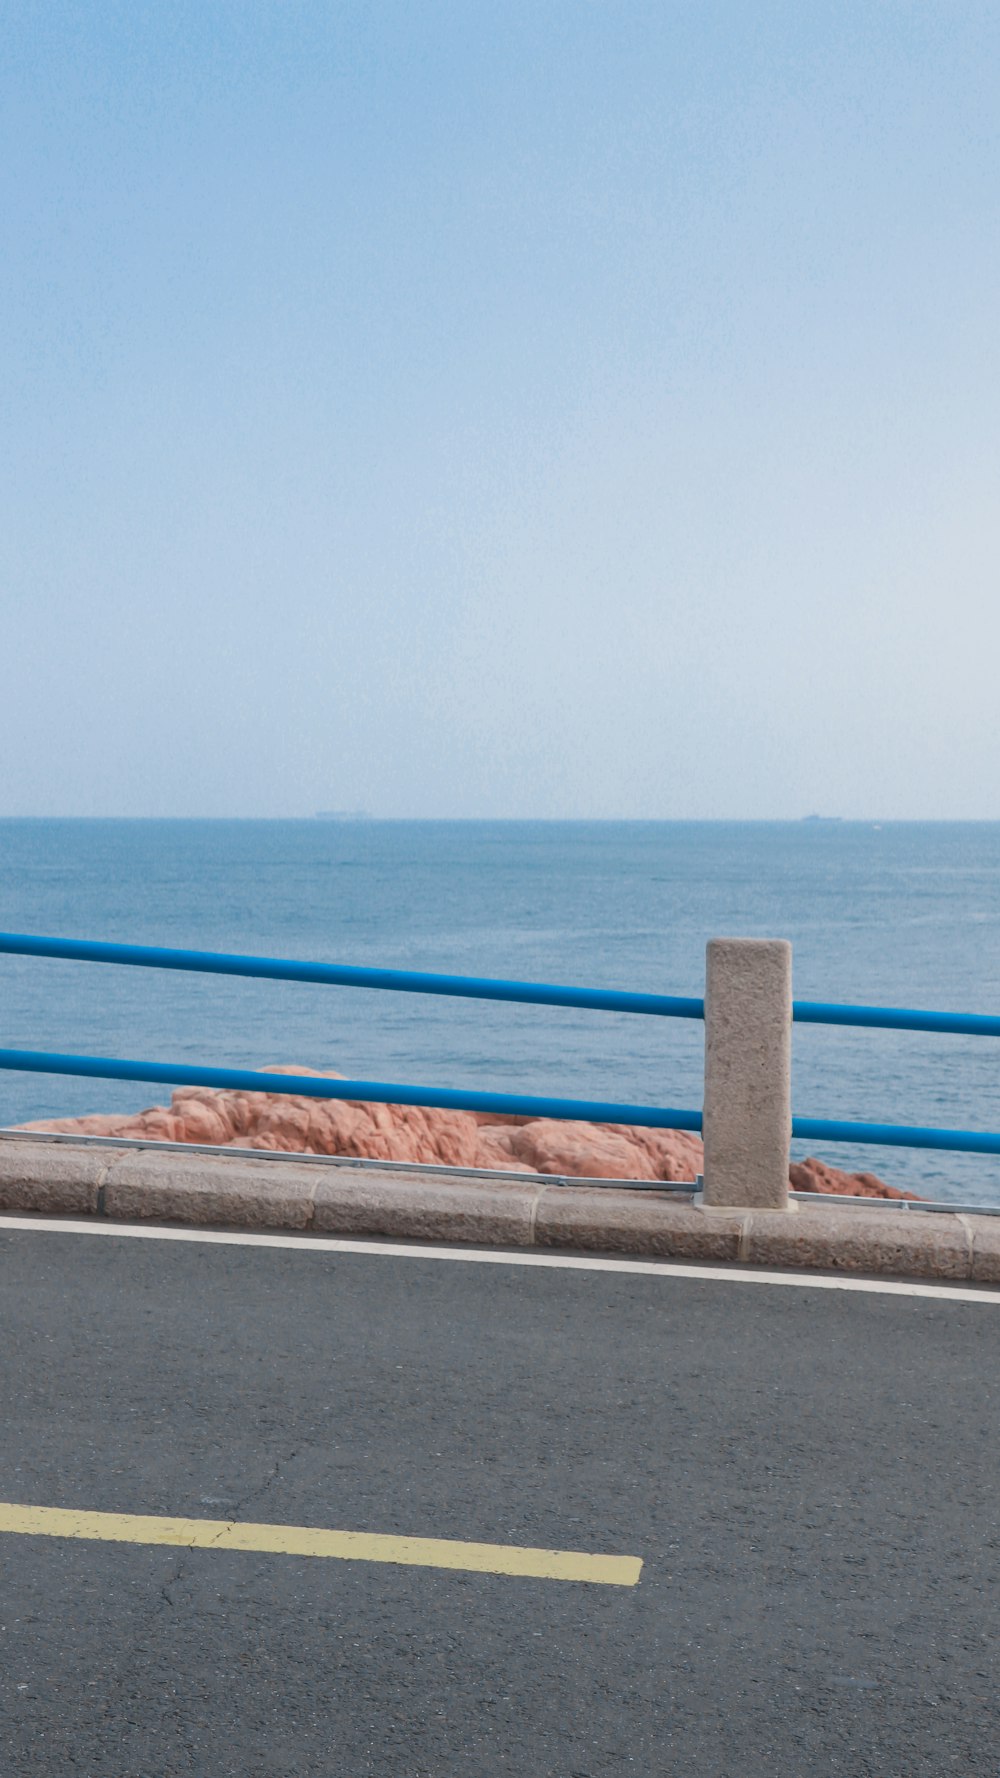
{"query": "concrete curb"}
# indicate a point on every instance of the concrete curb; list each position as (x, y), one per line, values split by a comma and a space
(233, 1191)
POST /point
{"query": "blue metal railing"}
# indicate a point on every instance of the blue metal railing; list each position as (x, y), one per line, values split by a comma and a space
(376, 1092)
(823, 1129)
(342, 975)
(896, 1018)
(478, 988)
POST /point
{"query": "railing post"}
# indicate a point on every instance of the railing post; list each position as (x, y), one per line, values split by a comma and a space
(748, 1029)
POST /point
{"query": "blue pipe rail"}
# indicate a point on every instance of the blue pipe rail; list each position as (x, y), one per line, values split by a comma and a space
(824, 1129)
(895, 1018)
(380, 1092)
(480, 988)
(342, 975)
(376, 1092)
(411, 981)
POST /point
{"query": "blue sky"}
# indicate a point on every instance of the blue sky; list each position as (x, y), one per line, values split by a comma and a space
(503, 410)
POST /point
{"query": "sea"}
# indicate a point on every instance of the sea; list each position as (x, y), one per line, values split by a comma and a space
(889, 913)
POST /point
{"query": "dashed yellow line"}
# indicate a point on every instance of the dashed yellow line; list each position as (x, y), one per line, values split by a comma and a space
(306, 1540)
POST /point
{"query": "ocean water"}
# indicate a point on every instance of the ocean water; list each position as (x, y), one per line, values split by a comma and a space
(897, 914)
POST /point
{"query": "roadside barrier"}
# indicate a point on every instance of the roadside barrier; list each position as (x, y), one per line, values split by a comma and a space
(747, 1009)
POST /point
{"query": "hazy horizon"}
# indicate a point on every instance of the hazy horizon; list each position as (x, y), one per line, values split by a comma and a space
(363, 818)
(546, 411)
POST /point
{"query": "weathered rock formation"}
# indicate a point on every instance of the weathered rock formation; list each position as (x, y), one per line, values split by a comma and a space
(451, 1138)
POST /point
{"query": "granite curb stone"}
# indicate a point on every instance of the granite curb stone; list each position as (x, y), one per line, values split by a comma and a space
(856, 1240)
(63, 1183)
(985, 1233)
(635, 1222)
(205, 1190)
(396, 1204)
(229, 1191)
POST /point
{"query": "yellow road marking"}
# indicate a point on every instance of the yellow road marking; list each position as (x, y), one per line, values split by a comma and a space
(306, 1540)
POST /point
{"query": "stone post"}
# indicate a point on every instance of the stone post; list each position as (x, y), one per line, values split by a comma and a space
(748, 1033)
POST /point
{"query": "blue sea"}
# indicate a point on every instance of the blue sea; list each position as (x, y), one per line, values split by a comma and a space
(893, 913)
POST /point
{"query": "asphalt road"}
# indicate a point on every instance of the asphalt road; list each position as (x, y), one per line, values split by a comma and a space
(809, 1477)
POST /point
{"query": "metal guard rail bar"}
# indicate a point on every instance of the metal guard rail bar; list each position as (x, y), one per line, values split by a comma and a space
(472, 987)
(380, 1092)
(896, 1018)
(376, 1092)
(405, 981)
(410, 981)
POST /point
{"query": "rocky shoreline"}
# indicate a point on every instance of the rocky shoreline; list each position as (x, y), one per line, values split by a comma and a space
(289, 1124)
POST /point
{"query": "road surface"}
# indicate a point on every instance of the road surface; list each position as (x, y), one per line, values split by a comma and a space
(808, 1478)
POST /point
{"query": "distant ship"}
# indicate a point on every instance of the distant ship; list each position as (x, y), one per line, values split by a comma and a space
(341, 815)
(825, 819)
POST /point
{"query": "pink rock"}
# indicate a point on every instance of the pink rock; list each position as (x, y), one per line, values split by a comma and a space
(818, 1176)
(450, 1138)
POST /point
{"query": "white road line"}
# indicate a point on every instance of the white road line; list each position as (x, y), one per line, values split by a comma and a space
(646, 1268)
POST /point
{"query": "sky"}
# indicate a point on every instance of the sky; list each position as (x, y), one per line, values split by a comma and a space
(488, 409)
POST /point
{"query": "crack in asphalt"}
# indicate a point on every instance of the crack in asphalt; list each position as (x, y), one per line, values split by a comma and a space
(165, 1601)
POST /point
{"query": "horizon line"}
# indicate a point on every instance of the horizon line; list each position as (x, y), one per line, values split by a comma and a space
(369, 820)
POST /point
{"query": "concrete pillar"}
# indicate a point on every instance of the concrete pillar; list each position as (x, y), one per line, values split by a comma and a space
(748, 1044)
